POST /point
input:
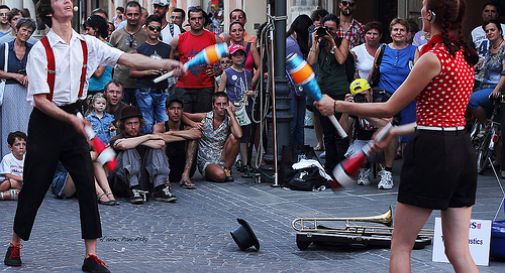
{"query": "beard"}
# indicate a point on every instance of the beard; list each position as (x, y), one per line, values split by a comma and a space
(347, 12)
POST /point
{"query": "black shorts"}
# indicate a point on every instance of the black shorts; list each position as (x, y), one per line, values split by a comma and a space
(439, 171)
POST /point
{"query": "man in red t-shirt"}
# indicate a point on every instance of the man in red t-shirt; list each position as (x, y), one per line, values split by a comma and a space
(195, 87)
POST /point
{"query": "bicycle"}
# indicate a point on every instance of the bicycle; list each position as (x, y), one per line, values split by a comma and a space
(485, 137)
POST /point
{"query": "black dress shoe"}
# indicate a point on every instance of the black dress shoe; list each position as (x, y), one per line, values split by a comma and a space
(94, 265)
(13, 255)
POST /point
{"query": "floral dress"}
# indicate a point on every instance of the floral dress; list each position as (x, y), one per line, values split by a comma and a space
(212, 142)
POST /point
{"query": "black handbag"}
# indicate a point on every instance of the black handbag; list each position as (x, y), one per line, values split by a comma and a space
(290, 154)
(375, 77)
(306, 179)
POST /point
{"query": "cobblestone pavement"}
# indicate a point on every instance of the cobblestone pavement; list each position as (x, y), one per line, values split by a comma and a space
(192, 235)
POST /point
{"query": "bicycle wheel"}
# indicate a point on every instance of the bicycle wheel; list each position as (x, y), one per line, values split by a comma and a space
(483, 152)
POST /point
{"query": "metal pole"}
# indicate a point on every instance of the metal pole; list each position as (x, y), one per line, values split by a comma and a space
(281, 116)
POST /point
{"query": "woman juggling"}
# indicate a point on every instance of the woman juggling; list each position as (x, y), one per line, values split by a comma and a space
(439, 170)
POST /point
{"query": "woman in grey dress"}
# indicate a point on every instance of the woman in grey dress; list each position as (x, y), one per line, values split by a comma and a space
(15, 110)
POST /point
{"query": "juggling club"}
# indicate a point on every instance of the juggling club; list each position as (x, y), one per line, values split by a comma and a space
(347, 171)
(106, 155)
(209, 55)
(302, 74)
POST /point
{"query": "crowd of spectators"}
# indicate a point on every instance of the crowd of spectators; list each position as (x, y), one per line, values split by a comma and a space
(162, 132)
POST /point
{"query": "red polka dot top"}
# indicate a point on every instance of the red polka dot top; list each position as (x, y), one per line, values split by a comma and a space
(444, 101)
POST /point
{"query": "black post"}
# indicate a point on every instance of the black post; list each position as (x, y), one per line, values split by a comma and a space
(281, 85)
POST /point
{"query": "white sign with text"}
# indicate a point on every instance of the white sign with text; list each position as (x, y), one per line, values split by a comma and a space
(479, 241)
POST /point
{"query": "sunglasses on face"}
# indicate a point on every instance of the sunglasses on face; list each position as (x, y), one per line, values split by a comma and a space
(347, 3)
(3, 14)
(226, 62)
(153, 28)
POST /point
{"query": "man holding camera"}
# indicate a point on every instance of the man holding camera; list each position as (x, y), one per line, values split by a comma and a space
(330, 53)
(364, 128)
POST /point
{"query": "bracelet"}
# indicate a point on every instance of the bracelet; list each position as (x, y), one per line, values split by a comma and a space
(334, 106)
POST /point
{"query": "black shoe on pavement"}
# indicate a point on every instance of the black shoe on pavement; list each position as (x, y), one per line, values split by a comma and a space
(164, 195)
(138, 197)
(94, 265)
(13, 255)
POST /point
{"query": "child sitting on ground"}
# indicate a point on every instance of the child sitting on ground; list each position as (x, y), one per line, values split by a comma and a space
(101, 121)
(11, 167)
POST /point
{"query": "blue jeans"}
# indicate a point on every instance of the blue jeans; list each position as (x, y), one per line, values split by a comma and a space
(297, 124)
(480, 98)
(152, 106)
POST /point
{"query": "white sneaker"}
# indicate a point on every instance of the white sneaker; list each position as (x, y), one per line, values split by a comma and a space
(386, 182)
(364, 177)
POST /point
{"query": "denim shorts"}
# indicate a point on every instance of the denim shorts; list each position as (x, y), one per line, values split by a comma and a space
(59, 180)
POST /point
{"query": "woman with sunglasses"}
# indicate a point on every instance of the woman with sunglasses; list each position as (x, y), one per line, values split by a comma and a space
(439, 170)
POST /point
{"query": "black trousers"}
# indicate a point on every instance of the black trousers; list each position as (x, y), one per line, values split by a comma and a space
(49, 141)
(334, 145)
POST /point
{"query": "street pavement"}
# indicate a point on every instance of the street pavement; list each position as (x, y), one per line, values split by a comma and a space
(192, 235)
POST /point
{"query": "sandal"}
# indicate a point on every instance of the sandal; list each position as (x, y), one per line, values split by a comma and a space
(113, 201)
(106, 203)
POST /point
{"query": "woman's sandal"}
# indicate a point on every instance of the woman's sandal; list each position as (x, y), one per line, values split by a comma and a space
(106, 203)
(113, 201)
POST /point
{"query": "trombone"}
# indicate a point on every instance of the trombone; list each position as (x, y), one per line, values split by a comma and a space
(308, 227)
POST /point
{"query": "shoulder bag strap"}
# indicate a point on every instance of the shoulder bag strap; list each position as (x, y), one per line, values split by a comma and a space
(51, 66)
(6, 57)
(381, 54)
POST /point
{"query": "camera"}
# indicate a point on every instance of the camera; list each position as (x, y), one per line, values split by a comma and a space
(359, 98)
(321, 31)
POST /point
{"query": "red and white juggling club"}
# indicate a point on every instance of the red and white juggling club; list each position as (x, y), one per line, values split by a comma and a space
(347, 171)
(105, 155)
(302, 74)
(209, 55)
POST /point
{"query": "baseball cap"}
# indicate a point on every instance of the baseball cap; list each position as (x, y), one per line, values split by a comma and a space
(234, 48)
(358, 86)
(163, 3)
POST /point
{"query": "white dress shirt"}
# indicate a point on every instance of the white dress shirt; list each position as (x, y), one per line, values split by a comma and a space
(68, 62)
(166, 36)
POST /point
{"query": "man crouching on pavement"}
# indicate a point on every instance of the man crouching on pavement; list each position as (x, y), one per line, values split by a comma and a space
(141, 160)
(219, 144)
(182, 141)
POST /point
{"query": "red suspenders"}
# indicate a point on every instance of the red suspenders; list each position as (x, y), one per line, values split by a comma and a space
(51, 66)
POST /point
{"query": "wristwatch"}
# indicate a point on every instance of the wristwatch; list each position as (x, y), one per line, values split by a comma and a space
(332, 51)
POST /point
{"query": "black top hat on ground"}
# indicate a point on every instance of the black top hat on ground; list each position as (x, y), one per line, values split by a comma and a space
(244, 236)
